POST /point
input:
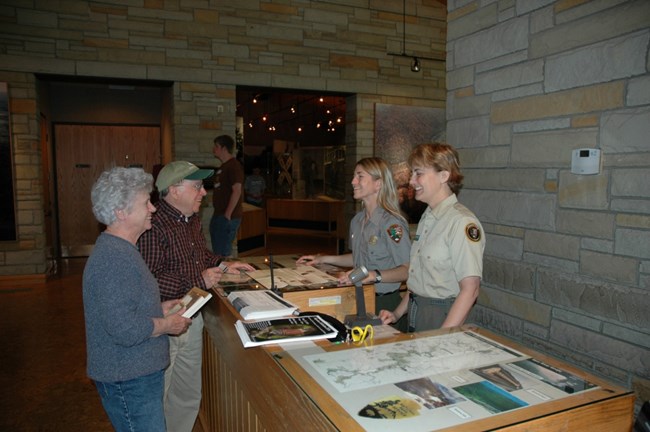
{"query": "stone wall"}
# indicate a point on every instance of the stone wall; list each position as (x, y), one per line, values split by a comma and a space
(567, 265)
(206, 49)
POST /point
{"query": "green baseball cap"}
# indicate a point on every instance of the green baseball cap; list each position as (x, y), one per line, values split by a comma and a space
(176, 171)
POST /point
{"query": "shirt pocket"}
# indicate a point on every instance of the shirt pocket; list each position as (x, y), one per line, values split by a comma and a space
(437, 262)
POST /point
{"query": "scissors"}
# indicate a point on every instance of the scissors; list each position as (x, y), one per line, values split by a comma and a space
(359, 334)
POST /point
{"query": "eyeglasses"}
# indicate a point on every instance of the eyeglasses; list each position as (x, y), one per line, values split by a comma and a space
(197, 186)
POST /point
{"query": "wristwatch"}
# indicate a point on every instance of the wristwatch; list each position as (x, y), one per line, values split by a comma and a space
(377, 276)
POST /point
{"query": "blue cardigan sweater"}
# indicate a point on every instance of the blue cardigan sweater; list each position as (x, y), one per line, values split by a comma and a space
(121, 297)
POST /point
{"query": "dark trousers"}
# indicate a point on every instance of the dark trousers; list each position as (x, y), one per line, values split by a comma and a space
(426, 313)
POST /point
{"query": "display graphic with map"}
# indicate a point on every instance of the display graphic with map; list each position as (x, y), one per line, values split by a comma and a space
(403, 361)
(435, 382)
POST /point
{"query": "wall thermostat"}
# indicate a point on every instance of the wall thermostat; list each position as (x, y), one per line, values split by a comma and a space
(585, 161)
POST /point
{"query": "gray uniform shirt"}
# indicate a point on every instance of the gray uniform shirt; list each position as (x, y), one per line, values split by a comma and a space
(381, 243)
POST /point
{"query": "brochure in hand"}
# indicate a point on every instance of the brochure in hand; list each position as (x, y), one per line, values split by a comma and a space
(282, 330)
(193, 301)
(260, 304)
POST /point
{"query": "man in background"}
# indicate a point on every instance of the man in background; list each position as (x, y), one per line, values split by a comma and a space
(176, 252)
(227, 196)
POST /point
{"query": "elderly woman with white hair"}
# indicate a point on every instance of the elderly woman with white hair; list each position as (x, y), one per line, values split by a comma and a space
(126, 324)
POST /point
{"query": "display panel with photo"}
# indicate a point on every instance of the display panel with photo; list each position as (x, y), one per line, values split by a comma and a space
(397, 130)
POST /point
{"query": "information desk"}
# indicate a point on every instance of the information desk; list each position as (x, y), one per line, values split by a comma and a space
(336, 301)
(284, 388)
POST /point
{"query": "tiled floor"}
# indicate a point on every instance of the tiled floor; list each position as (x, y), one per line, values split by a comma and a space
(42, 361)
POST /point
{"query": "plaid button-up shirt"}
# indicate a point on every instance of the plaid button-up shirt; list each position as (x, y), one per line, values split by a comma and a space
(175, 251)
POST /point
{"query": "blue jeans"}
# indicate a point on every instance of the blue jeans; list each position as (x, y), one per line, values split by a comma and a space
(222, 234)
(135, 405)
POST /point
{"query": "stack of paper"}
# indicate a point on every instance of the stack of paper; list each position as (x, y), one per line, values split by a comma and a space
(260, 304)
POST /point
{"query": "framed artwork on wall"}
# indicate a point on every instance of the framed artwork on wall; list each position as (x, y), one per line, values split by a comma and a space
(398, 129)
(8, 208)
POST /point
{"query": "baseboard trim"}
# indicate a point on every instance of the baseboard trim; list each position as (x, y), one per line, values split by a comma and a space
(11, 281)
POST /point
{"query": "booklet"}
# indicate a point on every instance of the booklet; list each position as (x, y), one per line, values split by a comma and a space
(299, 276)
(260, 304)
(193, 301)
(282, 330)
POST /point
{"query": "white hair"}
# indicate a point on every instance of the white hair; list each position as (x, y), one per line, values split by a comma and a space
(115, 189)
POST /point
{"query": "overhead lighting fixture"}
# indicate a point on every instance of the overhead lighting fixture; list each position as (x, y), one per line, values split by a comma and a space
(415, 65)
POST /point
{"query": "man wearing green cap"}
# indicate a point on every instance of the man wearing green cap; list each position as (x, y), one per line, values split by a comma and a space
(175, 251)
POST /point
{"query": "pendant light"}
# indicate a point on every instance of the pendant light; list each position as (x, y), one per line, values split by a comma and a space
(415, 59)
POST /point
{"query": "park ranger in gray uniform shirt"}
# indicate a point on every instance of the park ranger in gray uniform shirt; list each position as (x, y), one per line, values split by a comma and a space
(379, 235)
(381, 242)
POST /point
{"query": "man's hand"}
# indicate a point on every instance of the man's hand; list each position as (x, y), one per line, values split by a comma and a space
(235, 267)
(211, 276)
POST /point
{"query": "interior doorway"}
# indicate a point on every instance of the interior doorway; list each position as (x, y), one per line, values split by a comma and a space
(296, 138)
(94, 124)
(83, 152)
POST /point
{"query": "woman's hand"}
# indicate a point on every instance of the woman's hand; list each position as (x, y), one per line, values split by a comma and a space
(176, 324)
(309, 260)
(169, 305)
(344, 279)
(173, 322)
(387, 317)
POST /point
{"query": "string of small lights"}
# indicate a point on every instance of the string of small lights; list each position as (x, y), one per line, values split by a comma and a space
(313, 112)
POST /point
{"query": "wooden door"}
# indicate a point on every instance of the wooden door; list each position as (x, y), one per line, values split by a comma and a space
(83, 152)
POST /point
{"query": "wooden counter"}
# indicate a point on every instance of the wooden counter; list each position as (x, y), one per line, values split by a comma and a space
(605, 408)
(267, 389)
(245, 389)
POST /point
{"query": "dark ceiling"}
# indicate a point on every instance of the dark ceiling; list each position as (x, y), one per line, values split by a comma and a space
(307, 118)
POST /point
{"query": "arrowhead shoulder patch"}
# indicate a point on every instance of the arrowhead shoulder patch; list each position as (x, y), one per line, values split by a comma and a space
(395, 232)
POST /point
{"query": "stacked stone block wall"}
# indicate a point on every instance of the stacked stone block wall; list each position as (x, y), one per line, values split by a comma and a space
(568, 256)
(206, 49)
